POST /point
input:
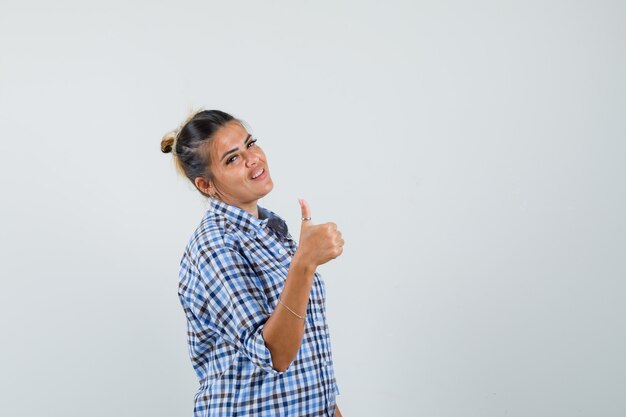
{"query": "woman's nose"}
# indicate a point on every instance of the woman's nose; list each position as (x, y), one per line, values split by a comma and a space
(252, 159)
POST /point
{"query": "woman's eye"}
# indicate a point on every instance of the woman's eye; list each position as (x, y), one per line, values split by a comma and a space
(232, 158)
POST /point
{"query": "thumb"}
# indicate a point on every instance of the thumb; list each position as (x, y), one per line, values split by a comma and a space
(306, 210)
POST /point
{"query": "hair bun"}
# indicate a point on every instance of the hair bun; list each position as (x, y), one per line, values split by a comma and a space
(167, 143)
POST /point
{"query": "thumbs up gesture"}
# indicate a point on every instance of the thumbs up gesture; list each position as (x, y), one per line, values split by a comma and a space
(319, 243)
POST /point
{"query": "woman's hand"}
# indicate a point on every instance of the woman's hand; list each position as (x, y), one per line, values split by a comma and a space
(319, 243)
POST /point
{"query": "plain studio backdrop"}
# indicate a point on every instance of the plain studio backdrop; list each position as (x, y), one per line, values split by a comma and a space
(471, 153)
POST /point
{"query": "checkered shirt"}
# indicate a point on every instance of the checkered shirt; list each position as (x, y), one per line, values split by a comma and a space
(231, 276)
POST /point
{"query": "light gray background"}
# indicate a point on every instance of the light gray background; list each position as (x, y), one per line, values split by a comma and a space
(472, 154)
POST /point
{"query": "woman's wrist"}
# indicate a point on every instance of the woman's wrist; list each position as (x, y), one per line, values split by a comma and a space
(305, 266)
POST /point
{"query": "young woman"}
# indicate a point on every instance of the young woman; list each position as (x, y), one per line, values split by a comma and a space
(255, 306)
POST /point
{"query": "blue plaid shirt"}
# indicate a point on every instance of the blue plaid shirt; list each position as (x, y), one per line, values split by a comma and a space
(231, 276)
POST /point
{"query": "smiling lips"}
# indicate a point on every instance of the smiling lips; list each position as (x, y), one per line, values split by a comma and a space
(259, 174)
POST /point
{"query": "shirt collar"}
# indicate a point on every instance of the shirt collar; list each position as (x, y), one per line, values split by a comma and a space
(246, 221)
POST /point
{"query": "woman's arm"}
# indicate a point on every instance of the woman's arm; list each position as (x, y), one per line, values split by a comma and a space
(337, 412)
(283, 331)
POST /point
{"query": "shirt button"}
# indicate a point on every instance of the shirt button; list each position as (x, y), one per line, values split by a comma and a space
(329, 362)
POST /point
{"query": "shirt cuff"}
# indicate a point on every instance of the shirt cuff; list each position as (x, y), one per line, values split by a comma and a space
(259, 354)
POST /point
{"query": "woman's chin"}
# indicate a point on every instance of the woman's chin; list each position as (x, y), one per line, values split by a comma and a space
(269, 190)
(269, 186)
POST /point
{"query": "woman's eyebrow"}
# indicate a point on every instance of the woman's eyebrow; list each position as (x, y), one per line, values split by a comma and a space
(235, 149)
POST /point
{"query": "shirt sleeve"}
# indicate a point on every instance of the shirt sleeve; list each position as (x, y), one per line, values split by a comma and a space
(231, 302)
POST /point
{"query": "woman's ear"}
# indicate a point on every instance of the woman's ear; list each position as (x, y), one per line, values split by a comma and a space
(204, 185)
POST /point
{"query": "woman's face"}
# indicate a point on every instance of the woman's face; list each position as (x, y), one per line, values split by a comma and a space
(236, 162)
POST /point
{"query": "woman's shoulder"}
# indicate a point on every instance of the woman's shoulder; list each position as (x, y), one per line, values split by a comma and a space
(213, 233)
(211, 241)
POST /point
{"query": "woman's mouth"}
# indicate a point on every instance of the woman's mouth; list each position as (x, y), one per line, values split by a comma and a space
(259, 174)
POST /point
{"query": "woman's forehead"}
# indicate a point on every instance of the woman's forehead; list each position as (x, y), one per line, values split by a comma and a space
(230, 136)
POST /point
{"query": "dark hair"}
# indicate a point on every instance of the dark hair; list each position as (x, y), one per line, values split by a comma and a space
(191, 143)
